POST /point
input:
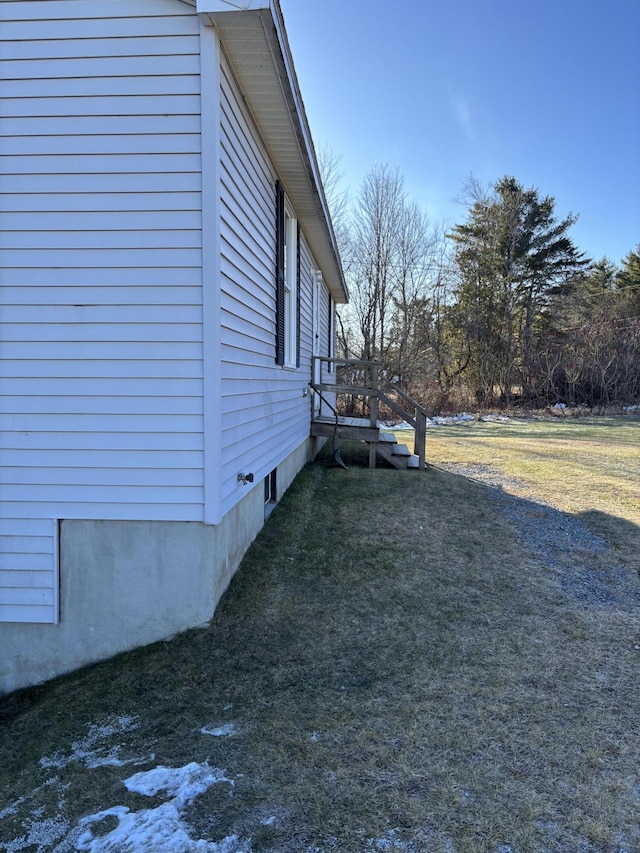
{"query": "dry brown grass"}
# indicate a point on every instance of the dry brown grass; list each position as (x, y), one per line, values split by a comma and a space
(401, 676)
(588, 466)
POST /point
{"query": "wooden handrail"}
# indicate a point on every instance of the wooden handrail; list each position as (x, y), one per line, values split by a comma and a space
(418, 421)
(352, 361)
(339, 388)
(398, 390)
(378, 393)
(397, 409)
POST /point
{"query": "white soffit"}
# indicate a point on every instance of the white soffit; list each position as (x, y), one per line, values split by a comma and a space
(254, 41)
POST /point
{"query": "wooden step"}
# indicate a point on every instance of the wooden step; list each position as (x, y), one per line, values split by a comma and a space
(350, 428)
(397, 454)
(388, 438)
(400, 450)
(414, 462)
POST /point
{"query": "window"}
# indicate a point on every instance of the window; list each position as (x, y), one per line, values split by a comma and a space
(287, 283)
(331, 332)
(270, 492)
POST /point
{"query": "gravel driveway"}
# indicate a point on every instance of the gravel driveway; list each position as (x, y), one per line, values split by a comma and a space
(584, 564)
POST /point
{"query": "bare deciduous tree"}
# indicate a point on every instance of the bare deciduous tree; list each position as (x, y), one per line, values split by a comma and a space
(392, 267)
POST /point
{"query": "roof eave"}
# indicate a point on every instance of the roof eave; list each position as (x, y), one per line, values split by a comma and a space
(254, 40)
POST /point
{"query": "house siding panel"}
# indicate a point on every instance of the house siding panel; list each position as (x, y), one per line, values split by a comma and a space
(28, 570)
(101, 282)
(265, 416)
(306, 307)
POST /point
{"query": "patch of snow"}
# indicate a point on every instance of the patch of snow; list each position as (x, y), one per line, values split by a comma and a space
(219, 731)
(269, 821)
(403, 425)
(463, 417)
(68, 844)
(161, 828)
(492, 418)
(53, 834)
(12, 808)
(183, 783)
(389, 843)
(111, 760)
(158, 830)
(41, 835)
(88, 751)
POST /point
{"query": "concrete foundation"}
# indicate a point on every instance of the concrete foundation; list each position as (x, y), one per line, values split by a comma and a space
(125, 584)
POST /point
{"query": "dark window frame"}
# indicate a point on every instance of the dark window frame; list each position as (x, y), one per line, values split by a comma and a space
(282, 329)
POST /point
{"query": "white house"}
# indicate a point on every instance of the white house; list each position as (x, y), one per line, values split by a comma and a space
(168, 269)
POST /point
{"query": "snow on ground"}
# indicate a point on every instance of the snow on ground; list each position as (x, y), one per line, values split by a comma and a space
(499, 419)
(461, 418)
(218, 731)
(450, 419)
(154, 830)
(55, 834)
(88, 751)
(118, 829)
(389, 843)
(161, 828)
(183, 783)
(41, 836)
(165, 829)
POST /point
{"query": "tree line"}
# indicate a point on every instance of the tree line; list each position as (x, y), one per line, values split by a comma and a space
(500, 310)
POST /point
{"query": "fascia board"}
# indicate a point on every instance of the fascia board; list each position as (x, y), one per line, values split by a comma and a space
(298, 171)
(209, 9)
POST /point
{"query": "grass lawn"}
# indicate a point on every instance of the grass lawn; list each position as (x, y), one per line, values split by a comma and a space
(585, 466)
(405, 661)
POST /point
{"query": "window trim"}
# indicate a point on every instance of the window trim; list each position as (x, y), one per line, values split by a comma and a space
(287, 282)
(270, 492)
(331, 333)
(290, 285)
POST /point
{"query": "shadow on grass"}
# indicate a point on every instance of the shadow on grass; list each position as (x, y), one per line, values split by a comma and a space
(624, 535)
(394, 670)
(590, 555)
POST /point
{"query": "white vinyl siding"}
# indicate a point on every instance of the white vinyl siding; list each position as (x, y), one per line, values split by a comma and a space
(28, 570)
(101, 282)
(264, 414)
(307, 268)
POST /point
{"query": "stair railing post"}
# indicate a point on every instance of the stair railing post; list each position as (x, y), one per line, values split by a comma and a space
(420, 439)
(373, 414)
(373, 409)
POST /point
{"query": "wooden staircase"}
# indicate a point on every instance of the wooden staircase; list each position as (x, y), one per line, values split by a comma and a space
(398, 455)
(357, 378)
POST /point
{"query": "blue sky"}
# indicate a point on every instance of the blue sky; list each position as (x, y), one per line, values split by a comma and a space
(545, 90)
